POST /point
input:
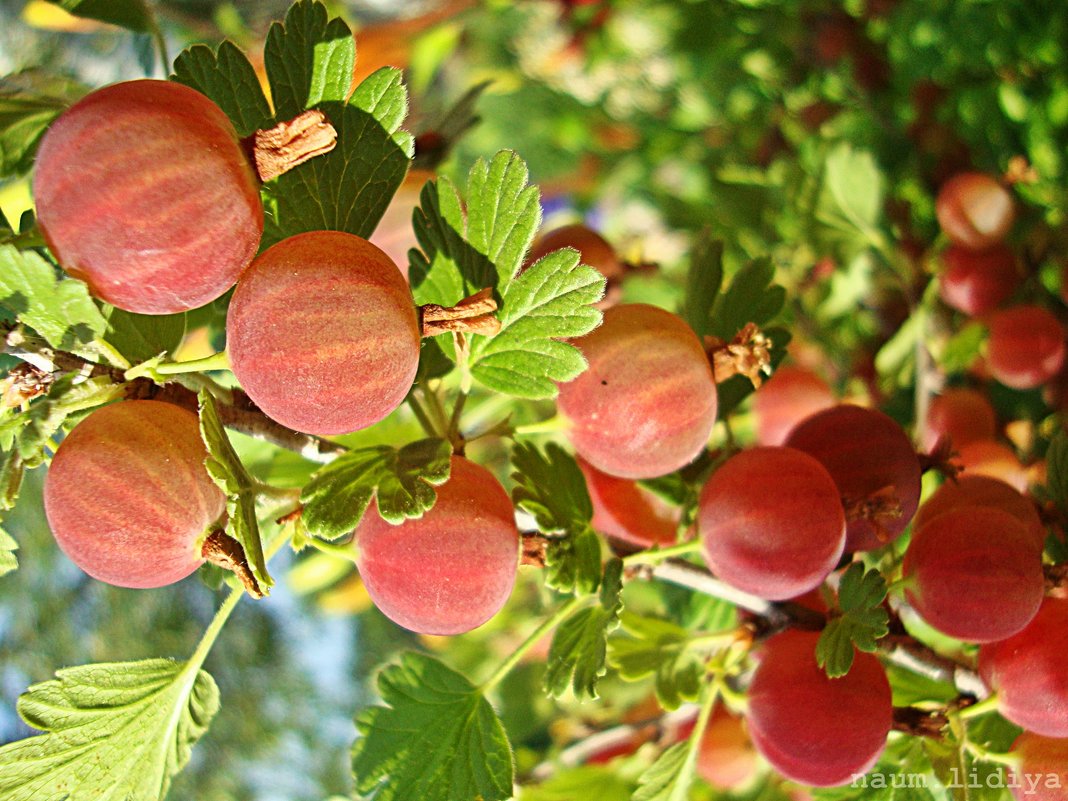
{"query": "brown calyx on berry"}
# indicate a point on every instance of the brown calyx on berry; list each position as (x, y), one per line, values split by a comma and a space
(222, 550)
(279, 149)
(879, 508)
(23, 383)
(472, 315)
(748, 354)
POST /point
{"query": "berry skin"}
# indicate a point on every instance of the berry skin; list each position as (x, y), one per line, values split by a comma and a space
(627, 512)
(972, 490)
(726, 758)
(144, 192)
(771, 522)
(867, 454)
(1042, 771)
(127, 495)
(450, 570)
(1026, 346)
(647, 402)
(784, 400)
(974, 210)
(323, 334)
(813, 729)
(1029, 673)
(962, 415)
(977, 282)
(976, 574)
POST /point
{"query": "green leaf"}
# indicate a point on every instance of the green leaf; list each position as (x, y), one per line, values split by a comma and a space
(114, 731)
(550, 486)
(404, 480)
(1057, 471)
(852, 194)
(134, 15)
(435, 739)
(349, 188)
(549, 302)
(703, 282)
(588, 782)
(140, 337)
(29, 101)
(657, 648)
(227, 77)
(462, 254)
(750, 298)
(59, 309)
(8, 546)
(667, 779)
(11, 472)
(230, 475)
(309, 59)
(577, 653)
(861, 623)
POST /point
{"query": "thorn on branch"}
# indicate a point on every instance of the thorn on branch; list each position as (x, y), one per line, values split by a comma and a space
(748, 354)
(472, 315)
(279, 149)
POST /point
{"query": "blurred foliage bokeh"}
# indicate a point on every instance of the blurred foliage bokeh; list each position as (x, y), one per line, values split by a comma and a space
(812, 132)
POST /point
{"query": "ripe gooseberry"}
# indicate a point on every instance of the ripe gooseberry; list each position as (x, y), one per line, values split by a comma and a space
(593, 248)
(976, 282)
(144, 192)
(1041, 770)
(811, 728)
(869, 456)
(450, 570)
(1029, 673)
(784, 400)
(974, 573)
(127, 495)
(972, 490)
(647, 402)
(625, 511)
(1026, 346)
(960, 415)
(726, 757)
(771, 522)
(975, 210)
(323, 334)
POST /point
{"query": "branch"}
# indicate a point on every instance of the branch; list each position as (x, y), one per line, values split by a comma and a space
(240, 415)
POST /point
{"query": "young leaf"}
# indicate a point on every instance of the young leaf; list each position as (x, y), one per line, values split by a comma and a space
(8, 546)
(861, 623)
(309, 59)
(551, 487)
(703, 282)
(435, 739)
(29, 101)
(549, 302)
(503, 214)
(577, 653)
(227, 77)
(657, 648)
(667, 779)
(140, 337)
(117, 731)
(134, 15)
(11, 473)
(750, 298)
(230, 475)
(404, 480)
(59, 309)
(852, 195)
